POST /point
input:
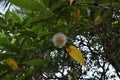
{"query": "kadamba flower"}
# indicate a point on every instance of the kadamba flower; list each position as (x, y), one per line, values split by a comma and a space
(59, 40)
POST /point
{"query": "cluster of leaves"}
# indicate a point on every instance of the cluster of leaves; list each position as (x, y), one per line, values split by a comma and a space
(25, 36)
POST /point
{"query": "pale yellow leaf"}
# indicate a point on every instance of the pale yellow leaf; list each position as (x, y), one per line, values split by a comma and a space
(76, 15)
(12, 63)
(115, 22)
(71, 1)
(76, 54)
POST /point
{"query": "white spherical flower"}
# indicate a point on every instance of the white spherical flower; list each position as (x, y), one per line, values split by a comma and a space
(59, 40)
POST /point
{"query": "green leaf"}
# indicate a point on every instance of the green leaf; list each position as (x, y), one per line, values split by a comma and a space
(36, 62)
(7, 15)
(16, 17)
(4, 75)
(5, 43)
(3, 39)
(34, 5)
(41, 17)
(13, 40)
(28, 34)
(56, 5)
(11, 48)
(37, 5)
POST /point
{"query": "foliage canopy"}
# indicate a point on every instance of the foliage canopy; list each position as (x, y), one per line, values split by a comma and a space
(91, 25)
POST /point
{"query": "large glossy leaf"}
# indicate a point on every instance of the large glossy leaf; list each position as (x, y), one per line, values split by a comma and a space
(29, 4)
(35, 5)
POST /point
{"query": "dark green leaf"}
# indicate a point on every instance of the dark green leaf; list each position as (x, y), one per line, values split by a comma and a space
(36, 62)
(5, 56)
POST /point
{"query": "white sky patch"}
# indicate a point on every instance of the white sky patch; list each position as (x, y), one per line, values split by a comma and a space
(2, 9)
(58, 74)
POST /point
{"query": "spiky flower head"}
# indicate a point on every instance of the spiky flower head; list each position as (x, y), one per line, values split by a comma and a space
(59, 40)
